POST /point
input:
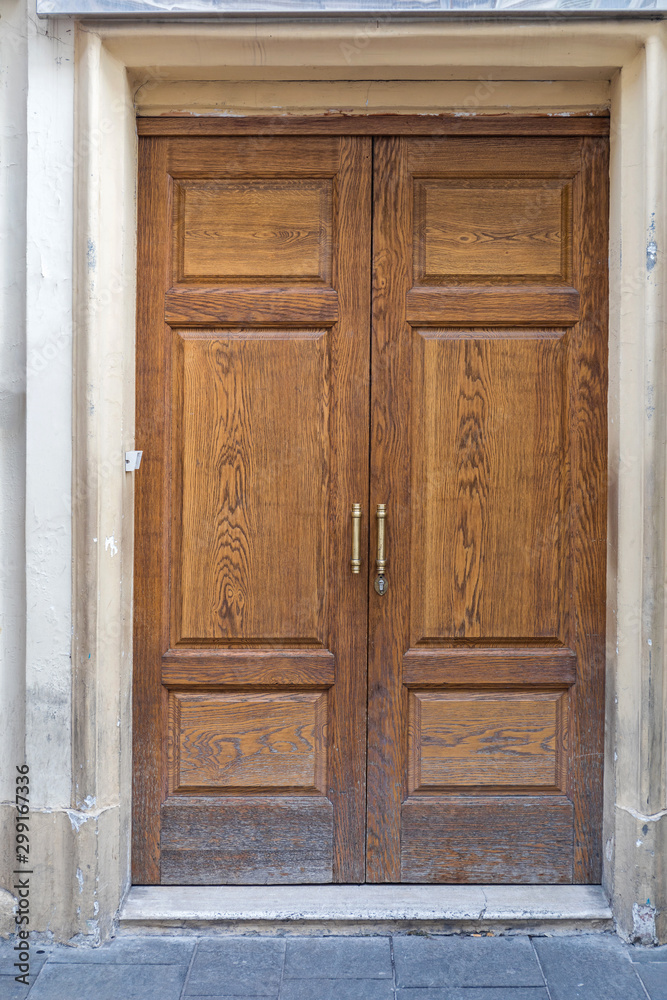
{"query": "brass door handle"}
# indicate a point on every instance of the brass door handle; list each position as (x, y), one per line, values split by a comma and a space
(381, 560)
(355, 561)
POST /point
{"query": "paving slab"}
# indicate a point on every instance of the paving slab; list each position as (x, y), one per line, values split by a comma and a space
(147, 950)
(654, 977)
(341, 967)
(38, 955)
(337, 989)
(466, 961)
(640, 953)
(338, 958)
(11, 990)
(239, 966)
(588, 968)
(108, 982)
(483, 993)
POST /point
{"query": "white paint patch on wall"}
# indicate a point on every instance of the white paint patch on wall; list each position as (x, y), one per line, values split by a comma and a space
(643, 923)
(77, 819)
(111, 546)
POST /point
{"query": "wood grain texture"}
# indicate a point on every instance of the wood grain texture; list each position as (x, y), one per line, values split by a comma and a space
(589, 505)
(488, 429)
(513, 306)
(503, 155)
(259, 403)
(251, 529)
(150, 631)
(485, 432)
(378, 124)
(197, 157)
(489, 667)
(257, 742)
(239, 840)
(487, 443)
(485, 839)
(350, 426)
(244, 668)
(509, 741)
(265, 231)
(390, 458)
(198, 306)
(487, 230)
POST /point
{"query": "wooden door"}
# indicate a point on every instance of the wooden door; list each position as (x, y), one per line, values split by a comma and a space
(252, 414)
(255, 645)
(488, 447)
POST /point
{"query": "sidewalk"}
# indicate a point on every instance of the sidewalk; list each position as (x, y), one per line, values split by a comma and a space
(402, 967)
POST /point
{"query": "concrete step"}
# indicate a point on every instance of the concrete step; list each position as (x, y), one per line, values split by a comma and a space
(365, 909)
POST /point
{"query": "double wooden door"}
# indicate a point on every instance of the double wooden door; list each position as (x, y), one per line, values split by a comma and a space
(415, 322)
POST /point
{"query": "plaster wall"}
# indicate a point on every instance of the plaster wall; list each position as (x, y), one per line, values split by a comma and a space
(48, 329)
(13, 101)
(636, 752)
(35, 359)
(74, 296)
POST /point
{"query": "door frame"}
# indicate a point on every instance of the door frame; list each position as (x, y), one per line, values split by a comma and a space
(111, 61)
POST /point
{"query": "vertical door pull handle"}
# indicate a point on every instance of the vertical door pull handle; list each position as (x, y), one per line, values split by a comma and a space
(355, 561)
(381, 560)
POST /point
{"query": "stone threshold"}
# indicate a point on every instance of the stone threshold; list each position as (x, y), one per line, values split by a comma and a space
(365, 909)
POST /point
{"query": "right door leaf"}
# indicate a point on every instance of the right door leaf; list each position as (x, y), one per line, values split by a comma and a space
(488, 443)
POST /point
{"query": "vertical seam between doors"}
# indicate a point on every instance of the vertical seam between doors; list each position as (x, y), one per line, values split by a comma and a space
(370, 517)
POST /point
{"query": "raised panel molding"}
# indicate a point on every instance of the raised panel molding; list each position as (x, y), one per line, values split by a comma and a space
(490, 469)
(252, 458)
(253, 230)
(272, 742)
(492, 231)
(506, 740)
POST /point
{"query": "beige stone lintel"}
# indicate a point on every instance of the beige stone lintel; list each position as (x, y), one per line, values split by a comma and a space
(380, 50)
(476, 96)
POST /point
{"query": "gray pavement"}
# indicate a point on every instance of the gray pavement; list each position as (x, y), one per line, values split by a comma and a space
(401, 967)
